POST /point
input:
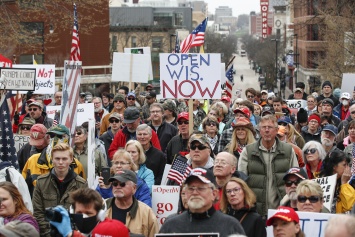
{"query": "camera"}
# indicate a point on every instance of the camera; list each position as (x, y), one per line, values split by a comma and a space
(52, 215)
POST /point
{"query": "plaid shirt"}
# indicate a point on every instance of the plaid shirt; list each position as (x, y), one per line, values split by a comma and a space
(226, 137)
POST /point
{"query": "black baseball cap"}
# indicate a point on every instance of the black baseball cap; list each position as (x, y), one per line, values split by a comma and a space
(124, 176)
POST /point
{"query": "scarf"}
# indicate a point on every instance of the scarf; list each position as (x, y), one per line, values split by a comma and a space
(316, 173)
(213, 141)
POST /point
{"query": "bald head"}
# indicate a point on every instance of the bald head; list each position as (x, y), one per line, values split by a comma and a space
(340, 225)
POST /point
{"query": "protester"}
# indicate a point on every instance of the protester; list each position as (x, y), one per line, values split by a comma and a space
(200, 152)
(301, 86)
(170, 115)
(238, 200)
(131, 99)
(342, 109)
(310, 197)
(313, 156)
(25, 126)
(106, 101)
(198, 114)
(99, 112)
(343, 126)
(350, 139)
(340, 226)
(35, 111)
(312, 131)
(210, 127)
(150, 98)
(327, 110)
(327, 88)
(291, 134)
(119, 106)
(328, 138)
(302, 120)
(311, 105)
(250, 94)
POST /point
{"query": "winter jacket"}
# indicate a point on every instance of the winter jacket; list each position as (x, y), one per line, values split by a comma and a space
(310, 137)
(346, 198)
(338, 109)
(100, 160)
(140, 219)
(50, 192)
(25, 153)
(26, 218)
(122, 137)
(332, 97)
(165, 133)
(176, 145)
(147, 175)
(155, 161)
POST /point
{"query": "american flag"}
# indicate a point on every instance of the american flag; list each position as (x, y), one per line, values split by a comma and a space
(7, 143)
(177, 44)
(14, 103)
(196, 38)
(75, 42)
(179, 170)
(229, 81)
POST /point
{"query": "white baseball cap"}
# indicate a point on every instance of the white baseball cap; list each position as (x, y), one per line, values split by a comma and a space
(345, 95)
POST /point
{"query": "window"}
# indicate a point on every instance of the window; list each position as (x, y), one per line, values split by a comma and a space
(312, 32)
(133, 41)
(114, 43)
(163, 19)
(157, 43)
(178, 19)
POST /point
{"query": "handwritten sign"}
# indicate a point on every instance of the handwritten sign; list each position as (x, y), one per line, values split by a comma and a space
(20, 141)
(165, 201)
(328, 185)
(295, 105)
(311, 223)
(19, 79)
(190, 76)
(85, 112)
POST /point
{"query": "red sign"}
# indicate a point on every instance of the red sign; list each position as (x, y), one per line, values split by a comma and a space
(264, 15)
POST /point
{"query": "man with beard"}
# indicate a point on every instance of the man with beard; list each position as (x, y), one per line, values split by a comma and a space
(327, 110)
(201, 216)
(99, 110)
(292, 178)
(328, 137)
(119, 106)
(35, 111)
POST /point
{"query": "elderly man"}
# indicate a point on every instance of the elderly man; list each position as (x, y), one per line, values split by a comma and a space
(201, 216)
(292, 178)
(340, 226)
(132, 120)
(328, 134)
(99, 110)
(127, 209)
(327, 110)
(200, 152)
(327, 89)
(35, 111)
(58, 98)
(266, 161)
(342, 109)
(156, 159)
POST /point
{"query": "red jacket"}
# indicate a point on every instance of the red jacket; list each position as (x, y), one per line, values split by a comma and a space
(120, 140)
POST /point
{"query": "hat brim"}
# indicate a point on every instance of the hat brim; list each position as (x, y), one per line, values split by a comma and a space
(249, 126)
(118, 178)
(298, 175)
(329, 131)
(278, 216)
(202, 178)
(129, 120)
(56, 132)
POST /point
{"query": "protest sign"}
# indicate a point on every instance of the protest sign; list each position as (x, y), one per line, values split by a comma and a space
(328, 185)
(295, 105)
(142, 50)
(348, 83)
(311, 223)
(20, 141)
(190, 76)
(85, 112)
(165, 201)
(19, 78)
(90, 175)
(223, 73)
(130, 67)
(165, 174)
(45, 78)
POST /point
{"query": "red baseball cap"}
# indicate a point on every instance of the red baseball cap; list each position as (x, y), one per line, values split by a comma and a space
(183, 115)
(226, 98)
(243, 110)
(37, 134)
(110, 228)
(284, 213)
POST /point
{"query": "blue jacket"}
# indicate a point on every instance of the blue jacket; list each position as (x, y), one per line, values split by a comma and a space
(147, 175)
(142, 193)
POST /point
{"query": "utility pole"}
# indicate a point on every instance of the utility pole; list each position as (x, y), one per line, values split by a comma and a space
(276, 60)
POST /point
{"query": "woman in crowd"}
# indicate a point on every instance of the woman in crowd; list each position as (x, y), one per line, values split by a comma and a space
(292, 135)
(285, 222)
(257, 109)
(236, 104)
(122, 160)
(238, 200)
(210, 127)
(223, 112)
(136, 150)
(12, 206)
(313, 156)
(25, 126)
(214, 111)
(243, 134)
(350, 139)
(310, 197)
(344, 196)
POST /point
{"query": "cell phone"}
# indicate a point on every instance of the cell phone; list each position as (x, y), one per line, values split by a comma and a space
(105, 173)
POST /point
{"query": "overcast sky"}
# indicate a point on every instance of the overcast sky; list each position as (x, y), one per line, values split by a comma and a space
(239, 6)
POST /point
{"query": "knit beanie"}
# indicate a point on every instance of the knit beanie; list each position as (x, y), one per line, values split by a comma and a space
(314, 116)
(302, 116)
(327, 83)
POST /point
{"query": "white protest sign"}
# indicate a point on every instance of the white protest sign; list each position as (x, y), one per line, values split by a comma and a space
(348, 83)
(20, 141)
(165, 174)
(165, 201)
(311, 223)
(328, 185)
(45, 78)
(295, 105)
(85, 112)
(130, 67)
(142, 50)
(19, 78)
(223, 73)
(90, 175)
(190, 76)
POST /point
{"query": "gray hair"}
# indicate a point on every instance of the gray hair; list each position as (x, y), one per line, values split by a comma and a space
(144, 126)
(341, 221)
(322, 153)
(229, 156)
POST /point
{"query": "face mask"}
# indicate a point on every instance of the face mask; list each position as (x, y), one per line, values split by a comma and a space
(84, 223)
(54, 141)
(345, 102)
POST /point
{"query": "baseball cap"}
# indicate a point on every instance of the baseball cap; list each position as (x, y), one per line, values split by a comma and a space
(267, 110)
(205, 175)
(264, 91)
(118, 97)
(131, 94)
(299, 172)
(298, 89)
(124, 176)
(183, 115)
(328, 101)
(18, 228)
(345, 95)
(131, 114)
(37, 134)
(244, 111)
(59, 130)
(151, 94)
(82, 94)
(36, 103)
(149, 85)
(28, 121)
(110, 228)
(284, 213)
(331, 128)
(284, 119)
(170, 105)
(115, 115)
(226, 98)
(200, 138)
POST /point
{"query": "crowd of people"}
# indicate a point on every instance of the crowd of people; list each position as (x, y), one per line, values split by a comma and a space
(242, 158)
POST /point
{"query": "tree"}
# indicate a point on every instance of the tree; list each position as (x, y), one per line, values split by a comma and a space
(217, 43)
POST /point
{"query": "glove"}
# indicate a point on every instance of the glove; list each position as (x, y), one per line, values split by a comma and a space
(64, 227)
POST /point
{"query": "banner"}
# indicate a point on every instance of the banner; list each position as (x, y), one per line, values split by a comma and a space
(264, 4)
(20, 141)
(19, 79)
(328, 185)
(190, 76)
(84, 112)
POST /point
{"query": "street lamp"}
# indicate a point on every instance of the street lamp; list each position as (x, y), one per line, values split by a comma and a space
(297, 57)
(171, 49)
(276, 60)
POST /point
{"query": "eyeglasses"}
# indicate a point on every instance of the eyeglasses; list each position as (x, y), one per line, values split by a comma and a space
(198, 189)
(53, 135)
(234, 190)
(282, 124)
(289, 183)
(33, 109)
(211, 124)
(266, 127)
(200, 147)
(131, 98)
(250, 96)
(221, 162)
(78, 133)
(25, 127)
(312, 151)
(312, 199)
(114, 121)
(119, 101)
(183, 122)
(121, 163)
(352, 112)
(116, 183)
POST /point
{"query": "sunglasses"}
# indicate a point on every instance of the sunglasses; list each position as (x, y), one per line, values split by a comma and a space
(312, 151)
(289, 183)
(120, 101)
(183, 122)
(114, 121)
(211, 124)
(32, 109)
(282, 124)
(200, 147)
(116, 183)
(24, 127)
(312, 199)
(131, 98)
(53, 135)
(250, 96)
(353, 112)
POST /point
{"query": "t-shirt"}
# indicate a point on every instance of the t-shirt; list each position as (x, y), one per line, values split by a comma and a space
(120, 214)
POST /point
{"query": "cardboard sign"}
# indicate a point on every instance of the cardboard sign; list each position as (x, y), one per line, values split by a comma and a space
(85, 112)
(311, 223)
(19, 79)
(190, 76)
(90, 175)
(295, 105)
(142, 50)
(130, 67)
(45, 78)
(165, 201)
(20, 141)
(328, 185)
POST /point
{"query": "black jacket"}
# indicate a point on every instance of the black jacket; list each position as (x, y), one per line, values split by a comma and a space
(176, 145)
(332, 97)
(165, 133)
(155, 161)
(107, 139)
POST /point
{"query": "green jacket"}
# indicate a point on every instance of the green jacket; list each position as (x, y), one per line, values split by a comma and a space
(49, 192)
